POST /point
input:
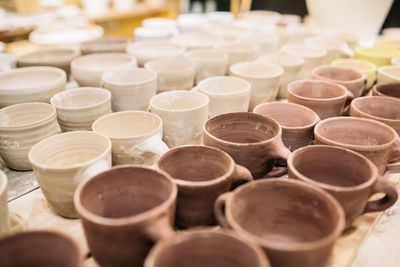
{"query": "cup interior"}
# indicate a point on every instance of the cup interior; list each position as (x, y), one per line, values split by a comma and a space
(131, 77)
(28, 77)
(224, 85)
(256, 70)
(83, 97)
(102, 61)
(337, 73)
(316, 89)
(25, 114)
(169, 65)
(179, 100)
(381, 107)
(389, 89)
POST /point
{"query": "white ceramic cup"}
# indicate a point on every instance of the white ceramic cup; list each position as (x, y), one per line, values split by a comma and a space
(78, 108)
(183, 114)
(194, 41)
(136, 136)
(388, 74)
(238, 52)
(4, 218)
(335, 47)
(130, 90)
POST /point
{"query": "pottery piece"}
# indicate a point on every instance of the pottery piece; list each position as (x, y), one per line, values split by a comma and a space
(172, 73)
(388, 89)
(352, 179)
(238, 52)
(4, 219)
(30, 84)
(220, 17)
(265, 43)
(264, 79)
(124, 211)
(208, 63)
(226, 94)
(202, 173)
(149, 33)
(351, 38)
(388, 74)
(375, 140)
(298, 227)
(183, 114)
(387, 42)
(379, 108)
(363, 66)
(195, 41)
(55, 57)
(145, 51)
(325, 98)
(61, 162)
(107, 44)
(78, 108)
(395, 60)
(352, 79)
(379, 56)
(335, 47)
(252, 140)
(136, 136)
(391, 32)
(206, 248)
(7, 61)
(297, 122)
(88, 70)
(22, 126)
(130, 90)
(40, 249)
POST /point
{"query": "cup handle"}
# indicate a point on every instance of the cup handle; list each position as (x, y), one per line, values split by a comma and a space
(160, 229)
(219, 209)
(240, 176)
(282, 152)
(349, 98)
(382, 186)
(153, 144)
(90, 171)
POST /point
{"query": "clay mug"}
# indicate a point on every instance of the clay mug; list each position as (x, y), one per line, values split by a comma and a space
(373, 139)
(325, 98)
(363, 66)
(387, 89)
(388, 74)
(252, 140)
(61, 162)
(206, 248)
(183, 114)
(136, 136)
(22, 126)
(78, 108)
(295, 223)
(40, 249)
(297, 122)
(4, 218)
(352, 79)
(379, 108)
(202, 173)
(348, 176)
(124, 211)
(130, 90)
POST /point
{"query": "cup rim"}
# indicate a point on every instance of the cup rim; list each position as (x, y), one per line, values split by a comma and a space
(315, 73)
(190, 65)
(376, 86)
(75, 63)
(383, 71)
(368, 115)
(299, 61)
(25, 58)
(244, 90)
(343, 96)
(279, 70)
(106, 77)
(200, 106)
(79, 90)
(223, 56)
(376, 53)
(131, 48)
(288, 49)
(337, 63)
(3, 182)
(153, 212)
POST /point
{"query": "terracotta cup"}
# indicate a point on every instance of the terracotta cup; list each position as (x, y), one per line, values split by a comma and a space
(297, 122)
(206, 248)
(22, 126)
(130, 90)
(40, 249)
(252, 140)
(62, 161)
(136, 136)
(348, 176)
(325, 98)
(4, 219)
(352, 79)
(388, 89)
(202, 173)
(388, 74)
(183, 114)
(364, 66)
(124, 211)
(373, 139)
(379, 108)
(295, 223)
(78, 108)
(263, 77)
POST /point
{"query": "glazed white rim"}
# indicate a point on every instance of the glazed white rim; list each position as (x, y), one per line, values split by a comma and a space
(107, 77)
(81, 89)
(367, 98)
(241, 91)
(76, 62)
(344, 90)
(277, 73)
(160, 95)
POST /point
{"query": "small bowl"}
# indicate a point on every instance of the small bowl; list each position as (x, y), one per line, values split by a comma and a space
(108, 44)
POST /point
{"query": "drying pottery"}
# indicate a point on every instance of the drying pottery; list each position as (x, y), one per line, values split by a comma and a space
(379, 56)
(194, 41)
(335, 47)
(237, 52)
(388, 89)
(388, 74)
(361, 65)
(107, 44)
(4, 219)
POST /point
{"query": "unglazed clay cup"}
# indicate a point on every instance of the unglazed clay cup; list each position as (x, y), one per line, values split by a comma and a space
(22, 126)
(136, 136)
(183, 114)
(295, 223)
(379, 108)
(297, 122)
(130, 90)
(264, 79)
(388, 74)
(226, 94)
(238, 52)
(202, 173)
(88, 70)
(348, 176)
(388, 89)
(252, 140)
(373, 139)
(363, 66)
(61, 162)
(78, 108)
(206, 248)
(30, 84)
(325, 98)
(379, 56)
(335, 47)
(106, 44)
(208, 63)
(352, 79)
(4, 218)
(124, 211)
(172, 73)
(40, 249)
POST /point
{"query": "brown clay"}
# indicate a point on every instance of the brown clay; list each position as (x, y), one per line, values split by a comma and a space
(387, 89)
(124, 211)
(325, 98)
(297, 122)
(202, 173)
(350, 177)
(295, 223)
(252, 140)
